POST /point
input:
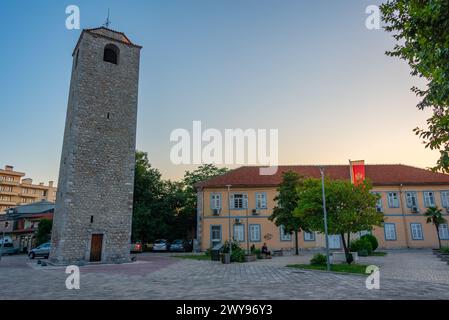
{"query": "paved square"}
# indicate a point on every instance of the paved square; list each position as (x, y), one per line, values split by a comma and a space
(413, 274)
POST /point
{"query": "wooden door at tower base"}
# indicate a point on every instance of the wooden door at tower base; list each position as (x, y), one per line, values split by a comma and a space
(96, 247)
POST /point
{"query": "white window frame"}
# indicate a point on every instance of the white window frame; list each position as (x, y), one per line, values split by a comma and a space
(427, 197)
(443, 231)
(239, 232)
(411, 198)
(244, 201)
(390, 231)
(444, 199)
(393, 199)
(215, 201)
(261, 200)
(309, 236)
(416, 231)
(284, 236)
(253, 232)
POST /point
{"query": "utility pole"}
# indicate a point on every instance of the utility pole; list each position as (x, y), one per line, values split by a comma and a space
(328, 266)
(229, 216)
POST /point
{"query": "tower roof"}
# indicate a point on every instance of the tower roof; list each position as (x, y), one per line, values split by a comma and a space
(108, 34)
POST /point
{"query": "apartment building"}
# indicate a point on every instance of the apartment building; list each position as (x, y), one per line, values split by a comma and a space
(16, 190)
(238, 204)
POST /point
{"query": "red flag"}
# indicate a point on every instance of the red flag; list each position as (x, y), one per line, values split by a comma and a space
(357, 169)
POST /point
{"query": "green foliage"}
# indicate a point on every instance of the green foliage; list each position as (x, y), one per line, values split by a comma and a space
(363, 253)
(444, 249)
(350, 208)
(341, 267)
(237, 254)
(163, 208)
(286, 201)
(43, 231)
(421, 29)
(434, 215)
(372, 239)
(318, 259)
(362, 244)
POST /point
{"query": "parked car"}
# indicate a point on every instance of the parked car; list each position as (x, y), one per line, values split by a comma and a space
(179, 246)
(8, 248)
(41, 251)
(136, 247)
(161, 245)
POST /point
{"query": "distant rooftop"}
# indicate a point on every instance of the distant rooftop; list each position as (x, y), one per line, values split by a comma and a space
(379, 174)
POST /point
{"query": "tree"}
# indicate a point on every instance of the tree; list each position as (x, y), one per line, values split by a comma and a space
(434, 215)
(191, 178)
(286, 200)
(349, 208)
(43, 231)
(150, 221)
(421, 29)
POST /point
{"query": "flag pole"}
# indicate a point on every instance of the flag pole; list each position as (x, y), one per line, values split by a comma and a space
(328, 266)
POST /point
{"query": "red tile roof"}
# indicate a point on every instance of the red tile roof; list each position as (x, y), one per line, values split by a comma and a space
(379, 174)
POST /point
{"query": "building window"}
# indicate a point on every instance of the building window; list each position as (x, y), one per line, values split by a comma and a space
(416, 230)
(379, 206)
(309, 236)
(390, 231)
(411, 199)
(215, 234)
(254, 232)
(443, 231)
(215, 201)
(445, 199)
(393, 200)
(111, 54)
(261, 200)
(429, 199)
(239, 201)
(285, 236)
(364, 232)
(239, 232)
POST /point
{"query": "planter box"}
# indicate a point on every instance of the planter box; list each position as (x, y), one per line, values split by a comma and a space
(340, 257)
(226, 258)
(250, 257)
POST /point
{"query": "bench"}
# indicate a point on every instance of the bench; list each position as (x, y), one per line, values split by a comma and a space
(278, 253)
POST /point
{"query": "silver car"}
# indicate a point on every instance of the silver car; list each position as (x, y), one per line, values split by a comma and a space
(40, 251)
(161, 245)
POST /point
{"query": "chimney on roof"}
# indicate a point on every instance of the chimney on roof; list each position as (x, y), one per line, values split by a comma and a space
(27, 181)
(9, 168)
(50, 184)
(41, 183)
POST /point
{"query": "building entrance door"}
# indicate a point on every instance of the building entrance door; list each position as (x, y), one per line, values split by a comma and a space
(96, 247)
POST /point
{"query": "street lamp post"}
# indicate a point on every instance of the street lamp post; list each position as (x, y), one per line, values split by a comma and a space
(325, 220)
(229, 216)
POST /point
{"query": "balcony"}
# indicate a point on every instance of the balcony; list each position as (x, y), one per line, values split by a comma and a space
(9, 183)
(30, 195)
(8, 193)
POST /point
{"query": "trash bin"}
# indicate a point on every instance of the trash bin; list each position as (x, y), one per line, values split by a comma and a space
(215, 252)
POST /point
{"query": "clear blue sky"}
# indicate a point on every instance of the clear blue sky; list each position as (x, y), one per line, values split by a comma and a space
(309, 68)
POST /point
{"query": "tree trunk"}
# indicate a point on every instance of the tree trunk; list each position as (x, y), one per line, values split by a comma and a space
(438, 235)
(345, 247)
(296, 243)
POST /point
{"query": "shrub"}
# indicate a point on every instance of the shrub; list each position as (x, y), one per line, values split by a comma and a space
(318, 260)
(444, 250)
(361, 244)
(362, 253)
(238, 254)
(372, 239)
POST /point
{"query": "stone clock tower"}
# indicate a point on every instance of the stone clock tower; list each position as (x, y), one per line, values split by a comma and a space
(93, 213)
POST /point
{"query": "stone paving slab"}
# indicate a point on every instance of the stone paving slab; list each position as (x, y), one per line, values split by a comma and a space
(164, 277)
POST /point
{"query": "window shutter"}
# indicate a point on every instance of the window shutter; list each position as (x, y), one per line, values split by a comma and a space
(231, 200)
(245, 201)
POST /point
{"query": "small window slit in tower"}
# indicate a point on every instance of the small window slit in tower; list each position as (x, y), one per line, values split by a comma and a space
(91, 219)
(107, 116)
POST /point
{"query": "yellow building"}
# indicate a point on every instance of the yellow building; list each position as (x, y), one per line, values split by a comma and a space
(16, 190)
(406, 193)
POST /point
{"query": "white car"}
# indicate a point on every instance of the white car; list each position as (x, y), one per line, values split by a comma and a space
(161, 245)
